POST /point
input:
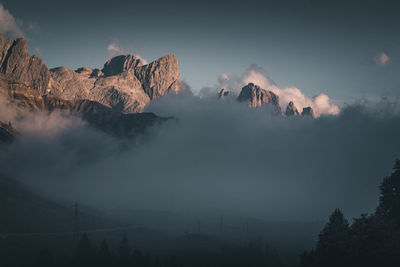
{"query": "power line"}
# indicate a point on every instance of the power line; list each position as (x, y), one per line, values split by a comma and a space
(75, 235)
(5, 235)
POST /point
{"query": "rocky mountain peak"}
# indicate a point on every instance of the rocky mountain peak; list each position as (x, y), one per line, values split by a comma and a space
(119, 64)
(125, 84)
(160, 76)
(308, 111)
(18, 65)
(291, 110)
(223, 94)
(256, 97)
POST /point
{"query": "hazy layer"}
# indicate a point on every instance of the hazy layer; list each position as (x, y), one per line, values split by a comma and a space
(216, 156)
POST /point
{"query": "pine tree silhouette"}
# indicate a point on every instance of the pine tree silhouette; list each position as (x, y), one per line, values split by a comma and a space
(83, 251)
(124, 251)
(45, 258)
(389, 201)
(372, 240)
(104, 256)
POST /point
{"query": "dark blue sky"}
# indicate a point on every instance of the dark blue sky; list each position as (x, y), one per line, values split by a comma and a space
(317, 46)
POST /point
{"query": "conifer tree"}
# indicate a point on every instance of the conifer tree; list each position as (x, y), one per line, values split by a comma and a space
(389, 201)
(124, 250)
(83, 253)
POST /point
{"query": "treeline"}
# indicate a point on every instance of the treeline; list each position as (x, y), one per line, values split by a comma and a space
(255, 253)
(371, 240)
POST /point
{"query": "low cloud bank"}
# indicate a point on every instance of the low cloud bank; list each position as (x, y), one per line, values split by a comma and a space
(219, 156)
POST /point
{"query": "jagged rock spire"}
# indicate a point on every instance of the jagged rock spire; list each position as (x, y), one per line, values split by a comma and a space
(119, 64)
(223, 94)
(17, 65)
(256, 97)
(291, 110)
(308, 111)
(160, 76)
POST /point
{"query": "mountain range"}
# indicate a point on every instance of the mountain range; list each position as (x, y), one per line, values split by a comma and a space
(112, 98)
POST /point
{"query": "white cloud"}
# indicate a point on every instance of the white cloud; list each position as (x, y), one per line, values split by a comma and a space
(223, 77)
(142, 59)
(320, 103)
(253, 74)
(382, 59)
(32, 27)
(256, 77)
(114, 49)
(8, 25)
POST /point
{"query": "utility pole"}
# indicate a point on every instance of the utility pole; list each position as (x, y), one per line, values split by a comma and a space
(76, 223)
(247, 229)
(221, 226)
(198, 227)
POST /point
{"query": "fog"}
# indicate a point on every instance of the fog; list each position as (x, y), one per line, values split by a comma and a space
(216, 157)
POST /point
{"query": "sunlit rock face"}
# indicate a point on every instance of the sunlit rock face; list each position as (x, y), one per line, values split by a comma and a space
(125, 84)
(119, 64)
(122, 92)
(256, 97)
(25, 100)
(291, 110)
(160, 76)
(18, 66)
(105, 98)
(308, 111)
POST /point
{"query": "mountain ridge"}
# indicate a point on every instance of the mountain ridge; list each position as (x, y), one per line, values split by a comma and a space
(124, 84)
(112, 98)
(113, 102)
(255, 96)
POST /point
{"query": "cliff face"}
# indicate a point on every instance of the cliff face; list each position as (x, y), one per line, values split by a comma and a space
(17, 65)
(119, 64)
(24, 99)
(291, 110)
(122, 92)
(256, 97)
(159, 77)
(125, 84)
